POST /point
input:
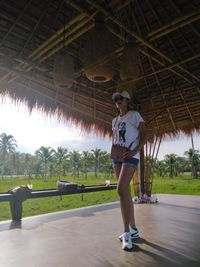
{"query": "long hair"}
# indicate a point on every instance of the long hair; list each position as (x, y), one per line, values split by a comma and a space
(130, 105)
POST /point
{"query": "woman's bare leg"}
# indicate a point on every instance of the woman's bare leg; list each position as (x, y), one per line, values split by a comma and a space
(117, 173)
(132, 215)
(125, 176)
(131, 208)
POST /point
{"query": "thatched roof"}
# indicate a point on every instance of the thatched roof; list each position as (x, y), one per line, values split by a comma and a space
(167, 94)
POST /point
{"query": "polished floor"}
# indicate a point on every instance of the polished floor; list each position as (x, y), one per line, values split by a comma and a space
(88, 237)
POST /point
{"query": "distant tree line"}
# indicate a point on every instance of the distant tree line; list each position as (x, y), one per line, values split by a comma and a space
(173, 165)
(60, 162)
(47, 161)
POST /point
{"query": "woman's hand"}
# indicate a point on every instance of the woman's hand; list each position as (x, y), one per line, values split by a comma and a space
(130, 153)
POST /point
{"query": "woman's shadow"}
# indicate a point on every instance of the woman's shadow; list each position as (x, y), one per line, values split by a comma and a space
(169, 257)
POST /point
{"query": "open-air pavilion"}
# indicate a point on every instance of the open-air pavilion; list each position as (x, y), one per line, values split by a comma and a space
(67, 58)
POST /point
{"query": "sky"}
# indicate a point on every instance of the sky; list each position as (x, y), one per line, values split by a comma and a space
(35, 129)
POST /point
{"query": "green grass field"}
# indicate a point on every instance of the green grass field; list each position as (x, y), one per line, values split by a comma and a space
(178, 185)
(184, 185)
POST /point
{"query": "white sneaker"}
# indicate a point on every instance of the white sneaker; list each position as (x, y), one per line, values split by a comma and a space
(126, 241)
(134, 234)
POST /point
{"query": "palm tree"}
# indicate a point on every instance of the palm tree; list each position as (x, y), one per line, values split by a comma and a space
(97, 153)
(181, 165)
(105, 164)
(75, 157)
(15, 162)
(171, 161)
(7, 145)
(160, 167)
(60, 156)
(193, 157)
(45, 154)
(86, 157)
(104, 160)
(25, 162)
(36, 167)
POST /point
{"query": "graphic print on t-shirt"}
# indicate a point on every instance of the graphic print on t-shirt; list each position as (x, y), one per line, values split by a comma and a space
(122, 132)
(125, 130)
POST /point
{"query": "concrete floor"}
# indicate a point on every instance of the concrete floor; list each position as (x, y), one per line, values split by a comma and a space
(88, 237)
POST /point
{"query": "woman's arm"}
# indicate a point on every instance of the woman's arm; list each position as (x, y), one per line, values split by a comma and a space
(143, 135)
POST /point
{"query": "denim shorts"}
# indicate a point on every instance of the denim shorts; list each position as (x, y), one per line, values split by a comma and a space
(127, 162)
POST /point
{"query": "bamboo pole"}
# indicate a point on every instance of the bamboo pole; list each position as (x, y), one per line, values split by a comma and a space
(124, 4)
(64, 36)
(158, 148)
(154, 147)
(142, 171)
(174, 25)
(58, 33)
(77, 7)
(149, 150)
(67, 42)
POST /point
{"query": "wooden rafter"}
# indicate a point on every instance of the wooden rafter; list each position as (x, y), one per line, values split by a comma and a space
(174, 25)
(16, 21)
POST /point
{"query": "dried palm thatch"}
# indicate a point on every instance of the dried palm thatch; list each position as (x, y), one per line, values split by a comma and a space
(167, 93)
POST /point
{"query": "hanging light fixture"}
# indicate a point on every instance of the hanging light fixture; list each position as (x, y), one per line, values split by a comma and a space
(63, 71)
(97, 59)
(130, 62)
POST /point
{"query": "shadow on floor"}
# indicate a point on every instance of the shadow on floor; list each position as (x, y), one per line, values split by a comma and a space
(35, 221)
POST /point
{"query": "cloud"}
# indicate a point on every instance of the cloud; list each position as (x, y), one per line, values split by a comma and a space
(178, 145)
(37, 129)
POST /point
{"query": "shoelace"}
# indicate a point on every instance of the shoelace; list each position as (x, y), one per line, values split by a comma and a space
(126, 237)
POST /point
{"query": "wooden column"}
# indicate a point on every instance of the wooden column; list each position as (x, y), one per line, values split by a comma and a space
(142, 171)
(16, 209)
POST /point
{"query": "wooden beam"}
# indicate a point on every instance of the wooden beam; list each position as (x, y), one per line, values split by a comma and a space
(174, 25)
(67, 26)
(142, 171)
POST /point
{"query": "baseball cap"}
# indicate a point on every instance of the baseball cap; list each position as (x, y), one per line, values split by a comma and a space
(124, 94)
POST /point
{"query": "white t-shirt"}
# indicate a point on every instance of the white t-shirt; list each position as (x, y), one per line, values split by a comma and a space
(125, 130)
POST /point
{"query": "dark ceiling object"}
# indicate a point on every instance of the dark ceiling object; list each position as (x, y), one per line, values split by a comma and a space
(63, 71)
(98, 59)
(130, 62)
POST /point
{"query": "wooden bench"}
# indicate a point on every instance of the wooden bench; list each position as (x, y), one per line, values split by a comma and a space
(17, 207)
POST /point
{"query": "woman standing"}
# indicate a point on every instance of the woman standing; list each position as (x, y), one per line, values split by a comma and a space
(129, 131)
